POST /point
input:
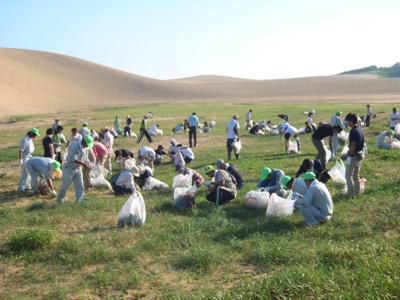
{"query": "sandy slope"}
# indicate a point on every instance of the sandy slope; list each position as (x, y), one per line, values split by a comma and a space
(32, 82)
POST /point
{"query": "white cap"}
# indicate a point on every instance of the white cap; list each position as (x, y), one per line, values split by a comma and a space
(172, 140)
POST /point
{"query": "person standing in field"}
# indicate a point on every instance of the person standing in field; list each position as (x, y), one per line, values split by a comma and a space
(144, 130)
(74, 137)
(369, 115)
(72, 169)
(248, 119)
(58, 139)
(336, 121)
(394, 118)
(55, 125)
(193, 122)
(355, 156)
(47, 143)
(84, 131)
(117, 124)
(233, 134)
(26, 149)
(108, 141)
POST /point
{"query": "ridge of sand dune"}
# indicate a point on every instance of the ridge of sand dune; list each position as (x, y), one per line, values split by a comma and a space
(34, 82)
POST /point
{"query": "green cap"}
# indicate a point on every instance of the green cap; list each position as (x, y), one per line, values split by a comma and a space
(56, 165)
(309, 176)
(35, 131)
(391, 133)
(285, 180)
(207, 169)
(339, 112)
(264, 173)
(84, 124)
(89, 141)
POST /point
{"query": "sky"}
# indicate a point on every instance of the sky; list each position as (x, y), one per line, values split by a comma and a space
(169, 39)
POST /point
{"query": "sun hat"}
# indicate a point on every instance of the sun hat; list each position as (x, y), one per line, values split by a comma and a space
(56, 165)
(309, 176)
(207, 169)
(265, 173)
(219, 163)
(172, 141)
(84, 124)
(339, 112)
(391, 133)
(135, 171)
(35, 131)
(285, 180)
(89, 141)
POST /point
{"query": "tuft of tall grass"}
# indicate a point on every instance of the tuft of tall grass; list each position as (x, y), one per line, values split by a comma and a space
(31, 239)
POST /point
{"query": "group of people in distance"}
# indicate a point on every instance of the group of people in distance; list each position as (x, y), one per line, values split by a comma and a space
(83, 151)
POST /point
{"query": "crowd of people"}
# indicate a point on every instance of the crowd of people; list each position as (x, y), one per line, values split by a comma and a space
(86, 149)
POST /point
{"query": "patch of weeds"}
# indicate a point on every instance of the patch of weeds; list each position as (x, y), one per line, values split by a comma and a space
(31, 239)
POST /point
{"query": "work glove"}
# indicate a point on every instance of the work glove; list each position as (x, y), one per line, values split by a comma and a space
(332, 156)
(20, 162)
(207, 183)
(53, 193)
(295, 196)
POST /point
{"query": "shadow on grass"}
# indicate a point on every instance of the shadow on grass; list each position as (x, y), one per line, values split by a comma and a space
(10, 196)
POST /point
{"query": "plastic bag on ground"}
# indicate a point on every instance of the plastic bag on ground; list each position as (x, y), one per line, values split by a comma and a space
(178, 158)
(155, 184)
(133, 212)
(257, 199)
(184, 196)
(293, 147)
(237, 146)
(279, 207)
(338, 172)
(182, 181)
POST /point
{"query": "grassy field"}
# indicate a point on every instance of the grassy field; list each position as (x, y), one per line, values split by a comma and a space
(72, 251)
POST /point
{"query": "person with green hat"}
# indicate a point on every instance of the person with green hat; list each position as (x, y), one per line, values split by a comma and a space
(336, 121)
(271, 180)
(293, 186)
(72, 169)
(222, 188)
(26, 149)
(316, 204)
(84, 131)
(46, 167)
(384, 139)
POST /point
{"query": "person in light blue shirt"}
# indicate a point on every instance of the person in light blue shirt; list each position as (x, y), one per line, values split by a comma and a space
(193, 122)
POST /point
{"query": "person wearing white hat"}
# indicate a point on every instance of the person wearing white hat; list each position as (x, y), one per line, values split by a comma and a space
(336, 121)
(72, 169)
(124, 183)
(26, 149)
(233, 171)
(222, 189)
(47, 167)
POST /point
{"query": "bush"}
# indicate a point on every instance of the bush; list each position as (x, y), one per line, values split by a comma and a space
(31, 239)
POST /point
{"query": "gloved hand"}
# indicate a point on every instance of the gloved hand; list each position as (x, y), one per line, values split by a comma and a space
(267, 189)
(295, 196)
(207, 183)
(332, 155)
(20, 162)
(53, 193)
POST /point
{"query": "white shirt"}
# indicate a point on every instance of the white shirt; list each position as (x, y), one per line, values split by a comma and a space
(147, 152)
(380, 138)
(232, 124)
(126, 179)
(108, 140)
(26, 146)
(248, 116)
(187, 152)
(74, 138)
(287, 128)
(153, 129)
(394, 122)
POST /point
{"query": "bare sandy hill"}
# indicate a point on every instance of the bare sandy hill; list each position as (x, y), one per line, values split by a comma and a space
(34, 82)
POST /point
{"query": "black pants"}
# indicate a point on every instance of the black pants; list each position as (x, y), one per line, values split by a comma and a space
(230, 149)
(127, 131)
(192, 134)
(367, 120)
(144, 131)
(121, 190)
(221, 195)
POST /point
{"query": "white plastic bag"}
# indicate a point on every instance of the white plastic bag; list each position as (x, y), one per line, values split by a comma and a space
(293, 147)
(397, 130)
(258, 199)
(338, 172)
(343, 136)
(133, 212)
(184, 196)
(237, 146)
(346, 149)
(181, 180)
(98, 170)
(395, 144)
(328, 153)
(100, 183)
(279, 207)
(178, 158)
(155, 184)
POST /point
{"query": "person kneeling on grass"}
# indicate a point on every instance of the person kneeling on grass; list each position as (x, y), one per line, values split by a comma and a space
(270, 179)
(293, 185)
(47, 167)
(233, 171)
(123, 183)
(316, 204)
(197, 179)
(222, 189)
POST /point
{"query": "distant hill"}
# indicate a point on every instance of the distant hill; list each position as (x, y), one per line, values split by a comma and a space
(33, 82)
(388, 72)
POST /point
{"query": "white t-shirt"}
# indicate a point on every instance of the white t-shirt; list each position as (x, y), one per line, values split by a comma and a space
(232, 124)
(147, 152)
(153, 129)
(187, 152)
(381, 138)
(74, 138)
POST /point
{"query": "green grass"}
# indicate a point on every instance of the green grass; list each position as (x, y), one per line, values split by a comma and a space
(76, 251)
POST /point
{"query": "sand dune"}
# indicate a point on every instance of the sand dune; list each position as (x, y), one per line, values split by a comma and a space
(34, 82)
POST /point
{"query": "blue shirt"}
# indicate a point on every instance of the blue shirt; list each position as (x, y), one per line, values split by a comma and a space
(193, 120)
